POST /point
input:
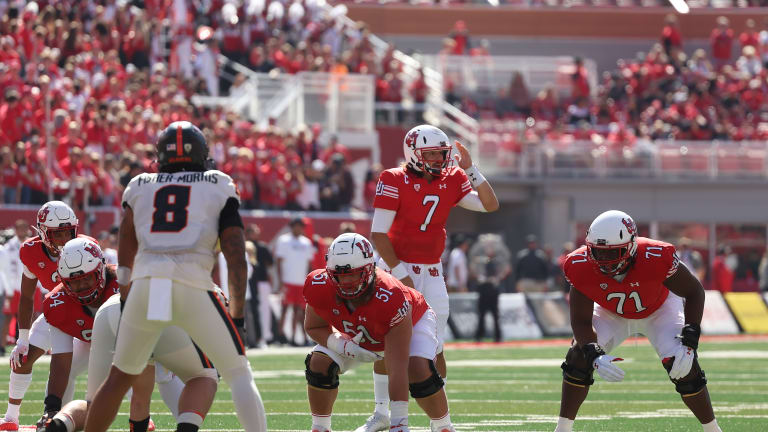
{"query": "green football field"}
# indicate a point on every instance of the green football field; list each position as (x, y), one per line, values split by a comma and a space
(509, 388)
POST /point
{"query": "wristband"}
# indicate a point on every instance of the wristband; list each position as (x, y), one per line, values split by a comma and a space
(399, 271)
(475, 178)
(124, 275)
(23, 335)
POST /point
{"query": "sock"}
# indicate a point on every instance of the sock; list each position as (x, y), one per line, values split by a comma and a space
(444, 421)
(564, 425)
(322, 420)
(399, 414)
(381, 393)
(12, 412)
(139, 425)
(17, 387)
(189, 422)
(63, 423)
(171, 392)
(711, 426)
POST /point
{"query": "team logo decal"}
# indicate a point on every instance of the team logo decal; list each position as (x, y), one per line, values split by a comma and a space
(416, 269)
(443, 186)
(363, 319)
(417, 187)
(336, 312)
(433, 272)
(631, 227)
(80, 322)
(604, 286)
(634, 284)
(171, 147)
(187, 147)
(41, 264)
(365, 248)
(410, 139)
(93, 250)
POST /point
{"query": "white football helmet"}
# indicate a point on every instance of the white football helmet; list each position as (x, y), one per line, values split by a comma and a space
(351, 254)
(612, 241)
(55, 216)
(82, 260)
(426, 138)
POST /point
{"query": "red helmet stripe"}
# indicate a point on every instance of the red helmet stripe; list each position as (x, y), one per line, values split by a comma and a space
(179, 141)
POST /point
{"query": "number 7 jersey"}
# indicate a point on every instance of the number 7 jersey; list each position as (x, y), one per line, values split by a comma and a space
(176, 217)
(422, 208)
(642, 290)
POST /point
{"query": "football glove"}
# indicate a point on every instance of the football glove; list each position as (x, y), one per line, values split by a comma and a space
(603, 363)
(349, 347)
(20, 351)
(686, 353)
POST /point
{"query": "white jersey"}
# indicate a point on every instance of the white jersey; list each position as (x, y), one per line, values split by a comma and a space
(176, 217)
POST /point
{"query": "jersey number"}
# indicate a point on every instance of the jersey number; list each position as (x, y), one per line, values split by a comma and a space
(434, 199)
(349, 328)
(623, 297)
(171, 204)
(55, 299)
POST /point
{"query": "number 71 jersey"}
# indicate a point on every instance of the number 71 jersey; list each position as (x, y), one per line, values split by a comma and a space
(642, 290)
(422, 208)
(176, 217)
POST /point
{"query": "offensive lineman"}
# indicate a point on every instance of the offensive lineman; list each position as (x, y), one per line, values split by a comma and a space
(169, 230)
(411, 207)
(639, 287)
(175, 350)
(56, 225)
(355, 312)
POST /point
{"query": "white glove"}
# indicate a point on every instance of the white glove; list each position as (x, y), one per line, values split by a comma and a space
(605, 368)
(20, 351)
(348, 347)
(683, 362)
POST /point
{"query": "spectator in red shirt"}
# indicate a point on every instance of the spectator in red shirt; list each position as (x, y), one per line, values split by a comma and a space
(579, 82)
(722, 274)
(671, 38)
(11, 128)
(750, 36)
(460, 35)
(721, 42)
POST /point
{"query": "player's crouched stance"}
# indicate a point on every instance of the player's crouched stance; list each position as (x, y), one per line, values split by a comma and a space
(357, 314)
(630, 279)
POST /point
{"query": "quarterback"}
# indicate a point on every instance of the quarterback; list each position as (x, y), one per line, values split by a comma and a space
(358, 313)
(411, 208)
(625, 284)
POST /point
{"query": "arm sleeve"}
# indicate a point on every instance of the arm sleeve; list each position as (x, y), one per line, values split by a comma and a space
(471, 201)
(60, 341)
(382, 220)
(387, 192)
(230, 216)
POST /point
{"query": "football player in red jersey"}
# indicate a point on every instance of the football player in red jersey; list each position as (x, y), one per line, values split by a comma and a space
(625, 284)
(56, 224)
(358, 313)
(411, 207)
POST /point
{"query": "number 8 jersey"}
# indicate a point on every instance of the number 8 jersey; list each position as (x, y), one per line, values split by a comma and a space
(418, 231)
(176, 218)
(640, 293)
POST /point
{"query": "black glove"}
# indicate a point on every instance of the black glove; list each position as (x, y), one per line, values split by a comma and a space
(240, 327)
(591, 352)
(690, 335)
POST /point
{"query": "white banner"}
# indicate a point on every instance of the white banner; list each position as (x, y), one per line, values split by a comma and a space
(517, 321)
(717, 317)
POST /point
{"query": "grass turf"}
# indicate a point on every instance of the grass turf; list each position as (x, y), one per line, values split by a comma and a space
(511, 388)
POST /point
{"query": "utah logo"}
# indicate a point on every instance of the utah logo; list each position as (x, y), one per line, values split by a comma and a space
(80, 322)
(336, 312)
(416, 269)
(433, 272)
(41, 264)
(417, 187)
(604, 286)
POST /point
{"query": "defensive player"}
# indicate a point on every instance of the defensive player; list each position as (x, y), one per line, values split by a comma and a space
(630, 279)
(411, 207)
(357, 313)
(56, 224)
(169, 230)
(175, 351)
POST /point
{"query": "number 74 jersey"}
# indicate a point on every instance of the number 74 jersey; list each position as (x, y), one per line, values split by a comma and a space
(176, 217)
(418, 231)
(642, 290)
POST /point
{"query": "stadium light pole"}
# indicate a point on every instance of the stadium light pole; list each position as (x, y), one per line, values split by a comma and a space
(680, 6)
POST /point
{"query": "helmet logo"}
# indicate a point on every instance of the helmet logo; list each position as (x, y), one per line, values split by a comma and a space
(365, 248)
(630, 224)
(187, 147)
(93, 250)
(410, 139)
(42, 215)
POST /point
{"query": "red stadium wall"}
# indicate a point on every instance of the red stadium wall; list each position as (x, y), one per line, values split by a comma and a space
(507, 21)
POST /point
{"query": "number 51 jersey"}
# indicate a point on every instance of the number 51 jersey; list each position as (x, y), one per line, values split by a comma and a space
(642, 290)
(176, 217)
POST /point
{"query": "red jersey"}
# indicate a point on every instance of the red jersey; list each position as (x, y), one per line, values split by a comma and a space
(70, 316)
(418, 232)
(642, 290)
(37, 261)
(387, 307)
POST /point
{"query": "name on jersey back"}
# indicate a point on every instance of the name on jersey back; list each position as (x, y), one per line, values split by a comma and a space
(192, 177)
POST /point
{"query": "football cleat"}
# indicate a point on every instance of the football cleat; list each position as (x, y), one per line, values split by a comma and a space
(7, 424)
(316, 428)
(151, 426)
(376, 422)
(48, 416)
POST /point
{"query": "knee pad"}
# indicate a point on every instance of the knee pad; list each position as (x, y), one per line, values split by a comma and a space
(576, 370)
(328, 381)
(429, 386)
(690, 384)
